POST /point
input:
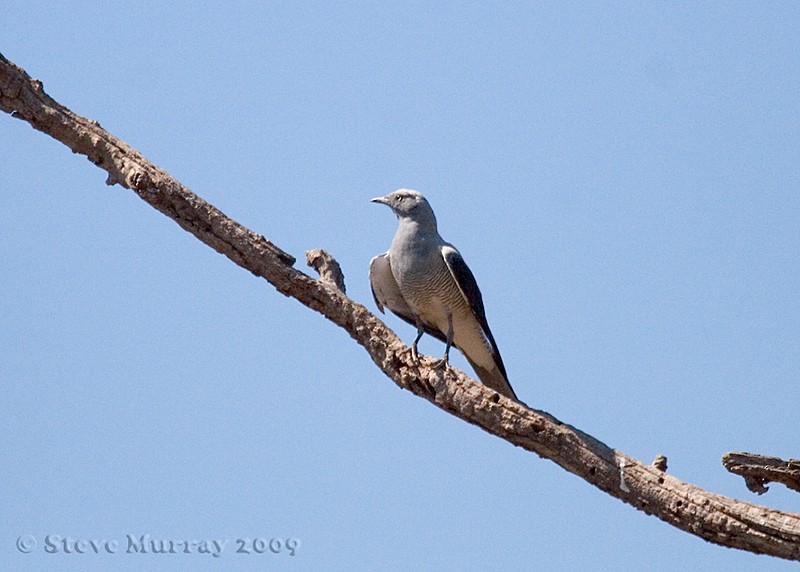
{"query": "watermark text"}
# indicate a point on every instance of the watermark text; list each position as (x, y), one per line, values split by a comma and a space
(147, 544)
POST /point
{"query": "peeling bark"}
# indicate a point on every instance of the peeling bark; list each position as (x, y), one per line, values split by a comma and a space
(758, 470)
(715, 518)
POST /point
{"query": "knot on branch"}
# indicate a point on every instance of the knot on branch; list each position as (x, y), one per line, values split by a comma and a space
(660, 463)
(139, 181)
(757, 470)
(10, 87)
(329, 270)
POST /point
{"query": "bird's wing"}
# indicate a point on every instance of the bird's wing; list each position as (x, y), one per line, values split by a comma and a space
(387, 294)
(466, 283)
(381, 280)
(469, 289)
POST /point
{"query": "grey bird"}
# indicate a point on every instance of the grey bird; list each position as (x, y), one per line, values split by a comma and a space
(425, 281)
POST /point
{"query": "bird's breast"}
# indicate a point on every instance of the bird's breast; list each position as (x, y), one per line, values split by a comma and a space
(428, 287)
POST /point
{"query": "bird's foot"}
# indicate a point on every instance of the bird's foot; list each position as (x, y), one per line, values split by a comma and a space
(413, 350)
(442, 363)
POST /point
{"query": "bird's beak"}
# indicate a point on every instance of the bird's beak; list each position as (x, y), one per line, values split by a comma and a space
(381, 200)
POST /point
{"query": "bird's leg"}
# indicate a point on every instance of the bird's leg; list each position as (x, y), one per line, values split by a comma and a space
(445, 361)
(413, 347)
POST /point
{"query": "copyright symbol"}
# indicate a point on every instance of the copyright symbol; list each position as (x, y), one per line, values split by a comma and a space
(26, 543)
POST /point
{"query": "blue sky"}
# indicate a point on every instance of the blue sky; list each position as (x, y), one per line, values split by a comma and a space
(622, 179)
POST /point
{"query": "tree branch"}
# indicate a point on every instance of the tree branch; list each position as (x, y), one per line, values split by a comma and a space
(326, 266)
(758, 470)
(713, 517)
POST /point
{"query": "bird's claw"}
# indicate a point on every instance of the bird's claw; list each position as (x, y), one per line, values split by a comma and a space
(412, 349)
(442, 363)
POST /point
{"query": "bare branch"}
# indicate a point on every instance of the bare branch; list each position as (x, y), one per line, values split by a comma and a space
(329, 270)
(758, 470)
(713, 517)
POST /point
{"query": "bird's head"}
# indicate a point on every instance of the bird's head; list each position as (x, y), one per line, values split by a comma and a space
(408, 204)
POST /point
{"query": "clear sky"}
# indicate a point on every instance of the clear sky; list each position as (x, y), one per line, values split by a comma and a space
(623, 181)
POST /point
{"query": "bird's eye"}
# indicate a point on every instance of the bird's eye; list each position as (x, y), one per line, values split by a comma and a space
(400, 198)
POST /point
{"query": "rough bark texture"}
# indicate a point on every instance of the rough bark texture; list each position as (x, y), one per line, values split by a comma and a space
(329, 270)
(713, 517)
(758, 470)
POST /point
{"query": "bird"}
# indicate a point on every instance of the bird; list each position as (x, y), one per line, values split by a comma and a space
(424, 280)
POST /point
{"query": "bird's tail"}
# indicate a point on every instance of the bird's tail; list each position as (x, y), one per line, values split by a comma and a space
(494, 379)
